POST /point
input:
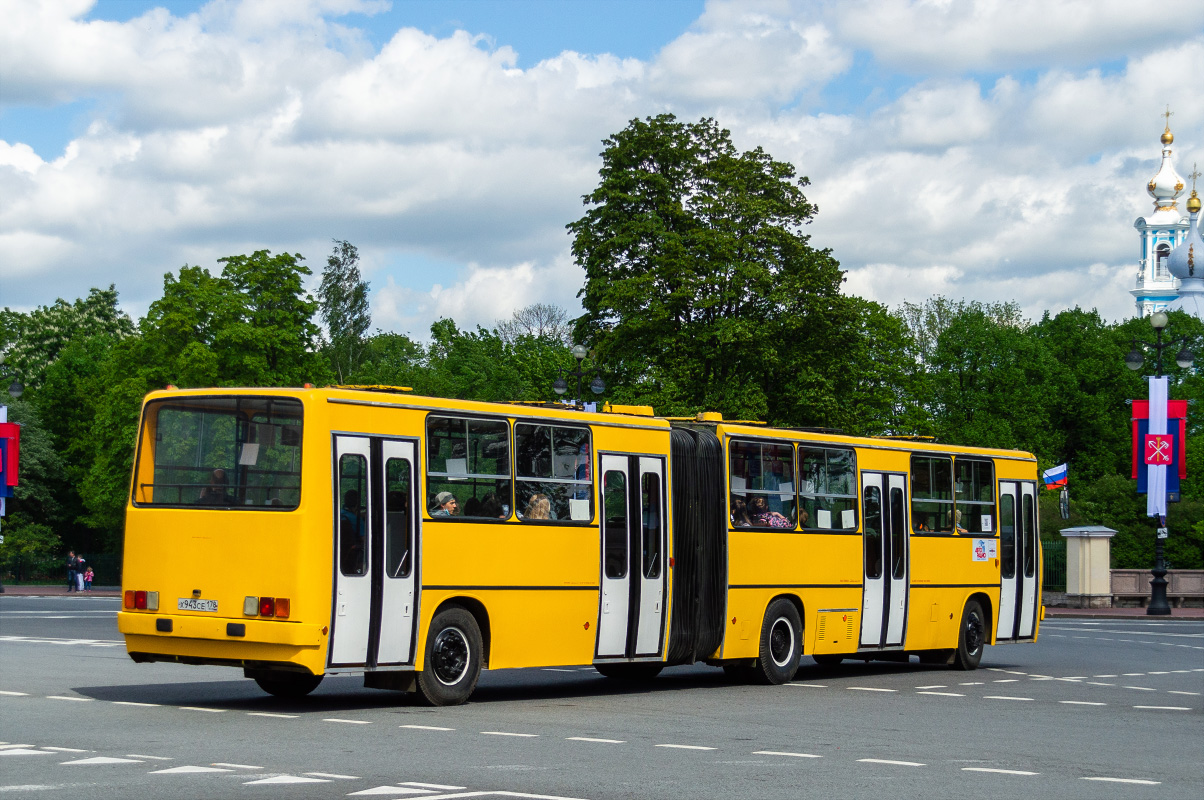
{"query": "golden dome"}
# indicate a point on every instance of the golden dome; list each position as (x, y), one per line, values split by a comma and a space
(1193, 203)
(1167, 137)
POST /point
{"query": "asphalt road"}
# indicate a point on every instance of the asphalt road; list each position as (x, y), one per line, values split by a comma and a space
(1096, 709)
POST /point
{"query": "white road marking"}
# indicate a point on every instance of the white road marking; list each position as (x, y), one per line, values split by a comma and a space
(778, 753)
(434, 786)
(999, 771)
(348, 721)
(1194, 694)
(271, 714)
(869, 689)
(507, 733)
(1160, 673)
(15, 694)
(88, 762)
(1099, 683)
(1081, 703)
(285, 779)
(132, 703)
(200, 708)
(1105, 676)
(152, 758)
(24, 751)
(686, 747)
(1141, 688)
(1006, 680)
(66, 697)
(943, 694)
(233, 766)
(8, 746)
(1005, 697)
(389, 790)
(189, 770)
(933, 686)
(810, 685)
(1123, 780)
(67, 750)
(333, 775)
(1165, 708)
(888, 761)
(588, 739)
(972, 683)
(426, 727)
(1132, 674)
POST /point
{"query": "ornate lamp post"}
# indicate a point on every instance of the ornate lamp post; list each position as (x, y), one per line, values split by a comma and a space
(1158, 605)
(597, 385)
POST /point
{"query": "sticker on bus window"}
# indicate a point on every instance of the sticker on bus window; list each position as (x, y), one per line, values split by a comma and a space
(249, 455)
(457, 466)
(848, 519)
(823, 518)
(738, 484)
(986, 523)
(984, 549)
(579, 508)
(786, 491)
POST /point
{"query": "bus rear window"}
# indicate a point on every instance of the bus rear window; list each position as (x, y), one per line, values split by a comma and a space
(222, 452)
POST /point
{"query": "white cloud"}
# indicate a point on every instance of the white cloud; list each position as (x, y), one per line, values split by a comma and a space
(261, 125)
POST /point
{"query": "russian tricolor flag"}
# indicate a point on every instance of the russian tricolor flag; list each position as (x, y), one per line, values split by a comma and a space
(1055, 478)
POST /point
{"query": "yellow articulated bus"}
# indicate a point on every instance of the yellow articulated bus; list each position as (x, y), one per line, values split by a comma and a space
(301, 532)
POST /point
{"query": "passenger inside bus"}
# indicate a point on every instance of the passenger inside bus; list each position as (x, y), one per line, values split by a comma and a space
(217, 493)
(445, 505)
(758, 510)
(539, 507)
(740, 514)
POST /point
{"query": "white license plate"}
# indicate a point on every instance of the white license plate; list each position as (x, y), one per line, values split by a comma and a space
(192, 604)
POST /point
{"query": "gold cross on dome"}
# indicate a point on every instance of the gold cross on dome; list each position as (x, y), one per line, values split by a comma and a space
(1195, 173)
(1168, 116)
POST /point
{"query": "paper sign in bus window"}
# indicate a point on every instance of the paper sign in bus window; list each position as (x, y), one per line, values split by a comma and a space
(738, 484)
(457, 466)
(579, 508)
(986, 523)
(249, 455)
(848, 519)
(823, 518)
(787, 491)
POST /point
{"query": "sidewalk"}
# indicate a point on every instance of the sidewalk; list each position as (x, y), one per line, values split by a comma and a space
(60, 589)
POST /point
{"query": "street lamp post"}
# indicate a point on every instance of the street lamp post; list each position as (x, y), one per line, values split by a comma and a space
(1158, 604)
(597, 385)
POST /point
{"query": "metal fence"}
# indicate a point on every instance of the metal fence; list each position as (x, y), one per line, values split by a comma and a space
(1054, 573)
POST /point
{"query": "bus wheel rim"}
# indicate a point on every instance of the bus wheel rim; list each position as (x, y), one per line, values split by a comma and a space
(450, 656)
(973, 633)
(781, 641)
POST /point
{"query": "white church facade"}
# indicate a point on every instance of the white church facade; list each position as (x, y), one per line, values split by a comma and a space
(1160, 234)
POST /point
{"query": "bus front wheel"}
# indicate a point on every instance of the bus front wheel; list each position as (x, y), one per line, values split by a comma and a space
(972, 638)
(287, 684)
(453, 658)
(781, 640)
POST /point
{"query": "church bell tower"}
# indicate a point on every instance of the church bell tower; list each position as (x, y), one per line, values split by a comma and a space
(1160, 233)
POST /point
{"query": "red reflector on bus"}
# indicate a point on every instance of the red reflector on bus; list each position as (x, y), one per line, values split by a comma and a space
(267, 606)
(140, 600)
(282, 607)
(129, 598)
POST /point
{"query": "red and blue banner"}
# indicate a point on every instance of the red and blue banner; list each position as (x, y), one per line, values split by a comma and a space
(1160, 447)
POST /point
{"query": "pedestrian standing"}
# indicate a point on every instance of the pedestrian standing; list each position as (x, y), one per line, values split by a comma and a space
(88, 579)
(72, 570)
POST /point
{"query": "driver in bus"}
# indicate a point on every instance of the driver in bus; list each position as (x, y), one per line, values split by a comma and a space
(217, 493)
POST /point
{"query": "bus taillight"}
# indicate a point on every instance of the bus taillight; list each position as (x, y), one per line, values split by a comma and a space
(129, 598)
(140, 600)
(267, 606)
(282, 607)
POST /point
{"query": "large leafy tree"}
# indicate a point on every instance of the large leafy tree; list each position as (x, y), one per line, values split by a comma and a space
(701, 289)
(343, 306)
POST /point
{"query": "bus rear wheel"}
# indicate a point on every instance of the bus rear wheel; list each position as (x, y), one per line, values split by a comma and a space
(634, 673)
(453, 658)
(781, 641)
(972, 637)
(287, 684)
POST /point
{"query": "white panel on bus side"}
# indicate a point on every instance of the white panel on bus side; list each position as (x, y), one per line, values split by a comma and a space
(1009, 514)
(616, 591)
(872, 591)
(399, 580)
(353, 593)
(652, 589)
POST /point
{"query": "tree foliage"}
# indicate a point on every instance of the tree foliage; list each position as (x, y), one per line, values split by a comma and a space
(343, 306)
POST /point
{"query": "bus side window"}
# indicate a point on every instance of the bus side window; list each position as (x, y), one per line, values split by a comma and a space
(353, 492)
(651, 535)
(873, 532)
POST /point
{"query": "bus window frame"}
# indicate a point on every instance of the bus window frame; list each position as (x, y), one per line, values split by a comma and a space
(148, 435)
(426, 472)
(854, 498)
(989, 484)
(762, 443)
(917, 498)
(552, 423)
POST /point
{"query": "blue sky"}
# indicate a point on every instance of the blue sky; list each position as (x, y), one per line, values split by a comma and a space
(980, 150)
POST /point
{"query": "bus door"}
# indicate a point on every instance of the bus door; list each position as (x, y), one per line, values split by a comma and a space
(885, 548)
(1018, 553)
(375, 533)
(631, 611)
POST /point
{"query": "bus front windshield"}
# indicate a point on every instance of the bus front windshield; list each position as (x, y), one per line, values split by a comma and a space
(223, 452)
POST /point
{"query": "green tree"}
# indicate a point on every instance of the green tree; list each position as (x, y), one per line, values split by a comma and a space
(539, 320)
(701, 290)
(343, 305)
(36, 510)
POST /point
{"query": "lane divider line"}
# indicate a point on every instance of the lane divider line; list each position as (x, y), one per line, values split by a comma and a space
(508, 733)
(686, 747)
(589, 739)
(889, 761)
(999, 771)
(779, 753)
(426, 727)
